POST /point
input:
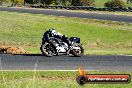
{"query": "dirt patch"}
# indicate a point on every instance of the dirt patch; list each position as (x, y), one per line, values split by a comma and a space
(12, 50)
(56, 78)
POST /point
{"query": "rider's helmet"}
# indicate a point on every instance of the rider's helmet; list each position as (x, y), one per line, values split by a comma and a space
(52, 32)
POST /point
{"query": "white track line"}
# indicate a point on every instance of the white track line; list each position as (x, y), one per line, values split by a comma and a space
(48, 70)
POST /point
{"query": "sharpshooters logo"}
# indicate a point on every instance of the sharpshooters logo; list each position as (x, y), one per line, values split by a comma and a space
(84, 78)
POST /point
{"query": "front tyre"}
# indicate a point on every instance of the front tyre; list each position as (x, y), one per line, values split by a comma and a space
(78, 52)
(47, 49)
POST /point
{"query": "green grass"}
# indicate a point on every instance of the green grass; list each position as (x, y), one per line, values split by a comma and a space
(100, 3)
(26, 30)
(100, 12)
(50, 79)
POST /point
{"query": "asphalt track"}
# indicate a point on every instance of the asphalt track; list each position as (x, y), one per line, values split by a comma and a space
(112, 17)
(40, 62)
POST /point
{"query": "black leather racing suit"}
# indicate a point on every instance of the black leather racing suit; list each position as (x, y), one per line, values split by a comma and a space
(53, 33)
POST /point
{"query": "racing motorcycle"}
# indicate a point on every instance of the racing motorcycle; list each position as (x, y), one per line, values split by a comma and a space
(57, 46)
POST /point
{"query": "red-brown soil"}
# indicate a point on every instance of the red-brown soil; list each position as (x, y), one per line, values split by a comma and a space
(11, 50)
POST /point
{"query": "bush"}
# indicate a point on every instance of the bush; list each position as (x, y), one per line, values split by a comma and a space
(87, 2)
(3, 1)
(75, 2)
(115, 3)
(68, 3)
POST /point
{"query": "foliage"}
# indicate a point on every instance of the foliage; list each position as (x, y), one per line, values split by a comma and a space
(46, 2)
(87, 2)
(1, 1)
(75, 2)
(15, 2)
(67, 3)
(115, 3)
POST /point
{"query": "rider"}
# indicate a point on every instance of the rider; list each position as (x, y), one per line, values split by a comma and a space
(52, 33)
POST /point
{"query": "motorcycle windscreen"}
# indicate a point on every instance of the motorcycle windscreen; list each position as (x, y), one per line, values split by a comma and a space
(75, 39)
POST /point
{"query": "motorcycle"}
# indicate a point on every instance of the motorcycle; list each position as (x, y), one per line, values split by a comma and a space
(57, 47)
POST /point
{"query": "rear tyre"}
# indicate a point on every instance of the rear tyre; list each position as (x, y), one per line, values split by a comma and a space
(78, 52)
(47, 49)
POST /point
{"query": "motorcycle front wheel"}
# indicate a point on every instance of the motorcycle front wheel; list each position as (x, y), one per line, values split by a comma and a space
(47, 49)
(78, 52)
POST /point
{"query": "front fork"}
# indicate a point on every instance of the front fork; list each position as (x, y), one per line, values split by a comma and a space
(71, 47)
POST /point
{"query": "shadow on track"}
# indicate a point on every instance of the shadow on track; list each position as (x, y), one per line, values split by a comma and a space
(41, 55)
(29, 54)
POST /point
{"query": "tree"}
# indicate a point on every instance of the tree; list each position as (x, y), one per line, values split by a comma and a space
(29, 1)
(87, 2)
(115, 3)
(46, 2)
(1, 1)
(129, 1)
(83, 2)
(75, 2)
(15, 2)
